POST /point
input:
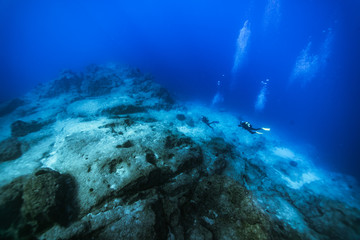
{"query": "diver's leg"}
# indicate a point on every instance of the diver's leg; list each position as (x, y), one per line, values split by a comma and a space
(252, 132)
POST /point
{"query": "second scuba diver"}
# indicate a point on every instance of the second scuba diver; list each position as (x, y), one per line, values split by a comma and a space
(207, 122)
(247, 126)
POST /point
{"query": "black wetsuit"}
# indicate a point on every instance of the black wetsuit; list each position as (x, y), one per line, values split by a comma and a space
(247, 126)
(207, 122)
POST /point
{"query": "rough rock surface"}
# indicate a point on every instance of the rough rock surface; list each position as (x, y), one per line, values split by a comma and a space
(10, 149)
(20, 128)
(10, 205)
(49, 197)
(120, 159)
(224, 209)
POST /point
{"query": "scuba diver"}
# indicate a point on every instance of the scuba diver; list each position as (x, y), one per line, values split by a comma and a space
(247, 126)
(207, 122)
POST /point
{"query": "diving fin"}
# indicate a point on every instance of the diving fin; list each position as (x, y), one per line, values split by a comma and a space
(259, 132)
(266, 129)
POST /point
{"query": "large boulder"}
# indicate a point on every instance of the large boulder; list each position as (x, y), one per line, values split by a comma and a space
(49, 197)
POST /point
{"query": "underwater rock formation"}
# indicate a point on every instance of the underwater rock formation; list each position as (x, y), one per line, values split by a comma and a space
(224, 209)
(20, 128)
(49, 197)
(108, 154)
(10, 205)
(8, 107)
(10, 149)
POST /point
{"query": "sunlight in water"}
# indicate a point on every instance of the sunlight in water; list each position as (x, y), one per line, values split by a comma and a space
(309, 64)
(242, 43)
(261, 98)
(272, 14)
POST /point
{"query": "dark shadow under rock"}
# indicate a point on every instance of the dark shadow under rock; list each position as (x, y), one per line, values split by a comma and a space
(180, 117)
(124, 109)
(20, 128)
(9, 107)
(113, 163)
(160, 226)
(10, 204)
(10, 149)
(126, 144)
(49, 198)
(150, 157)
(155, 178)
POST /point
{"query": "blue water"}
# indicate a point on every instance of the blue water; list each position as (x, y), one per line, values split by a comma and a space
(289, 65)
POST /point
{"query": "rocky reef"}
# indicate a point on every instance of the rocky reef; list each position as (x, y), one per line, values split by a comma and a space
(109, 154)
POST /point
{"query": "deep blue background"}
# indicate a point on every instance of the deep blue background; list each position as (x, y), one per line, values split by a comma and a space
(190, 45)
